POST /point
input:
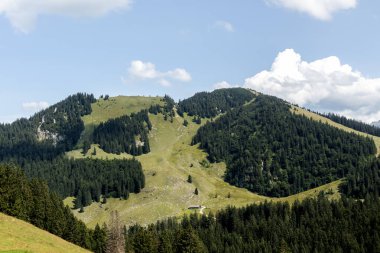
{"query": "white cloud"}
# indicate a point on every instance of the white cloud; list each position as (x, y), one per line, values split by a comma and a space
(35, 106)
(23, 13)
(147, 70)
(320, 9)
(225, 25)
(179, 74)
(325, 85)
(224, 85)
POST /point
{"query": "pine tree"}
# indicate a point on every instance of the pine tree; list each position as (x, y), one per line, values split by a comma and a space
(189, 242)
(189, 179)
(196, 191)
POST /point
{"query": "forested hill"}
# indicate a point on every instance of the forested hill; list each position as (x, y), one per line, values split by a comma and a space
(38, 145)
(354, 124)
(271, 151)
(47, 133)
(210, 104)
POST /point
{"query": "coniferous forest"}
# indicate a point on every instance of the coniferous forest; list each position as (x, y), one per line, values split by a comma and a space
(354, 124)
(314, 225)
(271, 151)
(38, 144)
(31, 200)
(267, 149)
(88, 179)
(210, 104)
(119, 135)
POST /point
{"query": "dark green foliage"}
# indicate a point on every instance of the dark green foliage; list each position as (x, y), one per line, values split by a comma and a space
(189, 179)
(87, 179)
(354, 124)
(167, 109)
(196, 191)
(197, 120)
(155, 109)
(314, 225)
(127, 134)
(48, 133)
(363, 180)
(30, 200)
(185, 123)
(210, 104)
(271, 151)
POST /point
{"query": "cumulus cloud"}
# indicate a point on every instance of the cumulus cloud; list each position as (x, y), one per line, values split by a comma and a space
(23, 14)
(35, 106)
(325, 85)
(320, 9)
(225, 25)
(224, 85)
(147, 70)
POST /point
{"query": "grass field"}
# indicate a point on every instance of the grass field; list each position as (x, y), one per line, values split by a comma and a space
(19, 236)
(314, 116)
(166, 168)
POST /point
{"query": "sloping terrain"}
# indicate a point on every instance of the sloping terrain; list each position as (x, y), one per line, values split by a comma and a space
(167, 193)
(316, 117)
(113, 107)
(20, 236)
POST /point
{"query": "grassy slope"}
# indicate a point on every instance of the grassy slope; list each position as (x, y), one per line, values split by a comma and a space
(166, 168)
(20, 236)
(114, 107)
(314, 116)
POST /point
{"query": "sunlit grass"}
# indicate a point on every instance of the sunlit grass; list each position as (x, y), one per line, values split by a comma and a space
(19, 236)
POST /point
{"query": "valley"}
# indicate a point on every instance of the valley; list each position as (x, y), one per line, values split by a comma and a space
(166, 168)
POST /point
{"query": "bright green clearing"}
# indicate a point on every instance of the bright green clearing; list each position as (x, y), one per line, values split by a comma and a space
(19, 236)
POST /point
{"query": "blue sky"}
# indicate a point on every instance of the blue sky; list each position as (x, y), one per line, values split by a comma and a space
(320, 54)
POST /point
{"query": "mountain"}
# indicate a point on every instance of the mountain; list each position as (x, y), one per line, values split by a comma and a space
(19, 236)
(135, 154)
(274, 152)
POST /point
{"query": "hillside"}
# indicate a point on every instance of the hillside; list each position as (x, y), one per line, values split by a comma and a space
(20, 236)
(166, 169)
(317, 117)
(273, 152)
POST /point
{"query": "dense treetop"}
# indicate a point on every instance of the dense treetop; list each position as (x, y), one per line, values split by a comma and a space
(127, 134)
(273, 152)
(38, 145)
(210, 104)
(354, 124)
(31, 200)
(47, 133)
(88, 179)
(314, 225)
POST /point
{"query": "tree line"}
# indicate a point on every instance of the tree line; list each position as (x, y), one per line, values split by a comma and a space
(273, 152)
(211, 104)
(48, 133)
(84, 179)
(354, 124)
(313, 225)
(167, 109)
(127, 134)
(88, 179)
(31, 201)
